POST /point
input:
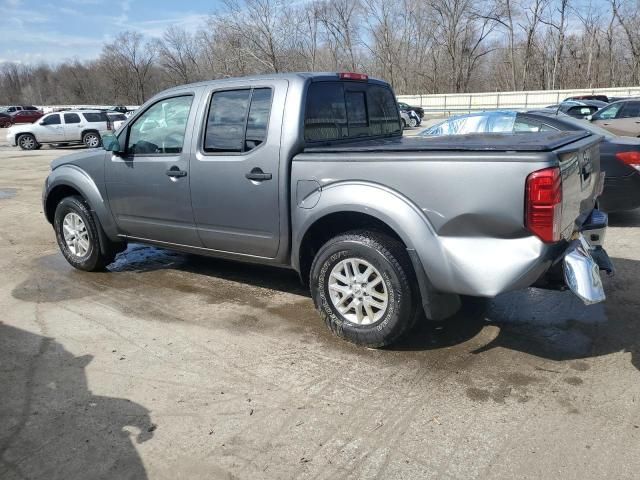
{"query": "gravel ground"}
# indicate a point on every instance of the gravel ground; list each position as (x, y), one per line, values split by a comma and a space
(174, 366)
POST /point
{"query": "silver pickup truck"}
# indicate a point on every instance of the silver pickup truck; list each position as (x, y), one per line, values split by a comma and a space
(311, 172)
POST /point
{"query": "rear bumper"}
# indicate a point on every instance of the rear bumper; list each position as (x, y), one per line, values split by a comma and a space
(621, 193)
(578, 268)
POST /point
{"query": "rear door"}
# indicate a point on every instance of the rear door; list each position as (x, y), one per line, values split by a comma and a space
(148, 185)
(72, 126)
(235, 182)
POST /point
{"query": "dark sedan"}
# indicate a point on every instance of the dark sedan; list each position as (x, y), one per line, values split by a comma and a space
(5, 120)
(407, 107)
(579, 108)
(619, 156)
(26, 116)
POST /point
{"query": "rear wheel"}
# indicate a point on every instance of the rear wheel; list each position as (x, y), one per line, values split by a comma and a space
(91, 139)
(361, 284)
(26, 141)
(77, 235)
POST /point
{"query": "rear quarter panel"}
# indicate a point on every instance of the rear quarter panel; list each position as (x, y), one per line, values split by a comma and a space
(471, 204)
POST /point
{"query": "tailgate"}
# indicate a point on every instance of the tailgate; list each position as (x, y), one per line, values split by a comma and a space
(581, 181)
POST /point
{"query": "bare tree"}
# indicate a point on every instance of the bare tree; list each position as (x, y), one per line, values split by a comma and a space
(128, 61)
(178, 54)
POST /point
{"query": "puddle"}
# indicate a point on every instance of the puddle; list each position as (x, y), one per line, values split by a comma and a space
(6, 193)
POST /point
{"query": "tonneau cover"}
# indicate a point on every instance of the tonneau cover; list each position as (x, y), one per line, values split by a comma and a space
(501, 142)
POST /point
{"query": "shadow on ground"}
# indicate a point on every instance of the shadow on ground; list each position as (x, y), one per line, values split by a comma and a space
(52, 426)
(548, 324)
(629, 218)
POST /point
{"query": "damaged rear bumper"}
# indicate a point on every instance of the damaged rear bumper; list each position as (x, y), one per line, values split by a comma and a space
(578, 268)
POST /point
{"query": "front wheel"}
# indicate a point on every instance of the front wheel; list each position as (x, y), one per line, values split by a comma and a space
(91, 140)
(77, 235)
(413, 122)
(26, 141)
(361, 283)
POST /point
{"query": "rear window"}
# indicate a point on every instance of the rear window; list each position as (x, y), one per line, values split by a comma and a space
(95, 117)
(341, 110)
(117, 116)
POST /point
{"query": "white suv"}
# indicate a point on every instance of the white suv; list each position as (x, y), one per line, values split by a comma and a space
(72, 126)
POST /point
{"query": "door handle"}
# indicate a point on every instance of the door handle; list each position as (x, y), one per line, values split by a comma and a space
(175, 172)
(258, 175)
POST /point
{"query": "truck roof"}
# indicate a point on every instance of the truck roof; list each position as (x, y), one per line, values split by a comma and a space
(291, 77)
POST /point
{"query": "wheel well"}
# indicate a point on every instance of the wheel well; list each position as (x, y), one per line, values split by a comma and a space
(89, 130)
(332, 225)
(17, 136)
(55, 196)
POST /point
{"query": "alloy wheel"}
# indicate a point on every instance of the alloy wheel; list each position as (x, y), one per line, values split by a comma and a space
(76, 235)
(358, 291)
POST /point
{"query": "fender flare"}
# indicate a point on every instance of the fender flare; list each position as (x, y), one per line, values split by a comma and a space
(76, 178)
(387, 205)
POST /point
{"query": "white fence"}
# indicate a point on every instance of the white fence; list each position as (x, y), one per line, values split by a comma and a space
(450, 104)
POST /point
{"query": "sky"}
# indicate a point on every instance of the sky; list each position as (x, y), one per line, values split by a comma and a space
(51, 31)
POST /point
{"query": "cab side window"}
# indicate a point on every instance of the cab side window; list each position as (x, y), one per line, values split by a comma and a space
(51, 120)
(161, 129)
(237, 120)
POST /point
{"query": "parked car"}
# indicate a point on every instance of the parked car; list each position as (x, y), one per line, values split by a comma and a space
(601, 98)
(77, 126)
(117, 119)
(409, 118)
(17, 108)
(26, 116)
(619, 156)
(380, 225)
(578, 109)
(406, 107)
(620, 118)
(6, 120)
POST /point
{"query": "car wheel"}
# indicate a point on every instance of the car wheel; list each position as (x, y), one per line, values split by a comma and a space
(91, 140)
(361, 282)
(413, 122)
(26, 141)
(77, 235)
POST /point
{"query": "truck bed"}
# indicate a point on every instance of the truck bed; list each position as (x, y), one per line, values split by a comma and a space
(497, 142)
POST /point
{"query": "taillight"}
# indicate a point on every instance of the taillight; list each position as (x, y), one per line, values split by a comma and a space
(630, 158)
(544, 204)
(353, 76)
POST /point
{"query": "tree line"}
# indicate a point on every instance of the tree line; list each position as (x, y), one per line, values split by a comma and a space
(419, 46)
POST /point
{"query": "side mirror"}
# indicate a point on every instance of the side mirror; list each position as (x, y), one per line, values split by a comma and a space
(588, 118)
(111, 143)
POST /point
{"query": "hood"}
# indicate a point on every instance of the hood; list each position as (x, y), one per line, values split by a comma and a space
(80, 158)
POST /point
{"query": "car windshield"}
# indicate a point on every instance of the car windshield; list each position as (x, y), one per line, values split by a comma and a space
(495, 122)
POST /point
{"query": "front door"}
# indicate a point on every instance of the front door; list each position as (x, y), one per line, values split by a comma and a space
(235, 172)
(50, 129)
(148, 185)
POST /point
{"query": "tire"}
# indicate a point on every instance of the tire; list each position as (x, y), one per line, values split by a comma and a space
(26, 141)
(413, 122)
(91, 139)
(376, 326)
(85, 255)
